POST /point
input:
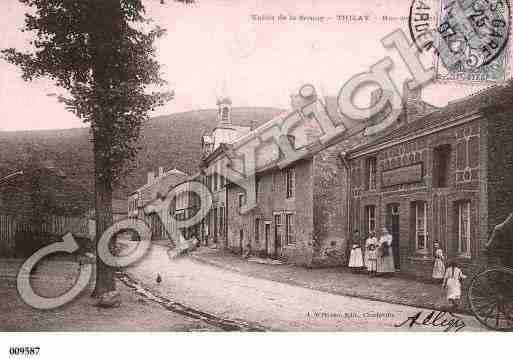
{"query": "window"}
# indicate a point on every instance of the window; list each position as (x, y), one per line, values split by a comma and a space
(242, 200)
(371, 173)
(215, 181)
(209, 182)
(214, 231)
(132, 207)
(441, 160)
(275, 181)
(464, 228)
(221, 221)
(207, 225)
(420, 222)
(180, 215)
(257, 188)
(222, 180)
(225, 114)
(257, 230)
(370, 216)
(277, 228)
(289, 228)
(290, 182)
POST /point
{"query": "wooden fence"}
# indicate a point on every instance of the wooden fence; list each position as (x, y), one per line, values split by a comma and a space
(56, 225)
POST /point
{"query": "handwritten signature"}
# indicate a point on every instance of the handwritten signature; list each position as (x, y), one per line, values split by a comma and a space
(446, 320)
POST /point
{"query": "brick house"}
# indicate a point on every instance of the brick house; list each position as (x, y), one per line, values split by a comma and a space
(445, 177)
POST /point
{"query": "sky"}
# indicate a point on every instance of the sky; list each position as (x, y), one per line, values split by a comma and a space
(239, 49)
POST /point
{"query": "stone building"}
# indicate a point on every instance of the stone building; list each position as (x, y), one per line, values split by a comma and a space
(301, 212)
(446, 177)
(214, 145)
(300, 209)
(156, 186)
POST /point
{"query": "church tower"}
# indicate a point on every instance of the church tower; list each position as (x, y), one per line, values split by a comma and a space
(224, 109)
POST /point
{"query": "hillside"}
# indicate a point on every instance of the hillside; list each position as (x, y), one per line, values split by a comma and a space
(172, 141)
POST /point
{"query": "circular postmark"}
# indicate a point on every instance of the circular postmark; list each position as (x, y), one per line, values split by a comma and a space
(422, 21)
(466, 34)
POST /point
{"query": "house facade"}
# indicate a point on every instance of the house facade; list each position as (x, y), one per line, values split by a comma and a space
(301, 214)
(156, 186)
(214, 146)
(300, 209)
(445, 177)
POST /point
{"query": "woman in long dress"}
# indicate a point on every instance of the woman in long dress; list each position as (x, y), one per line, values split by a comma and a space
(452, 283)
(439, 266)
(356, 256)
(385, 260)
(371, 249)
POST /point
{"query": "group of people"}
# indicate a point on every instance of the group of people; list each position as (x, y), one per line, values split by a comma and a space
(376, 255)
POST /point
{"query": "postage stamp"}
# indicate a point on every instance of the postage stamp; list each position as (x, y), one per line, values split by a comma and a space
(468, 37)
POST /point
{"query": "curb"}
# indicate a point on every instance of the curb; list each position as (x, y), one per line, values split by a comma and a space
(223, 323)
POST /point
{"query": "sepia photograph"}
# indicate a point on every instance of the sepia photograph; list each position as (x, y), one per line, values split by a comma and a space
(201, 167)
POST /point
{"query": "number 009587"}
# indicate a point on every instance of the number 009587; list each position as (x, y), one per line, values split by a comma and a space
(24, 350)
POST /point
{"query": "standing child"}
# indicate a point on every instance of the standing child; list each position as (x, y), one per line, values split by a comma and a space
(452, 283)
(356, 256)
(371, 249)
(439, 266)
(385, 261)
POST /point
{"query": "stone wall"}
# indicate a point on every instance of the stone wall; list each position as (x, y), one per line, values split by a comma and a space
(330, 207)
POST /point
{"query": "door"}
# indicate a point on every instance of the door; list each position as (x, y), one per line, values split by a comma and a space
(241, 241)
(393, 225)
(267, 234)
(215, 225)
(277, 235)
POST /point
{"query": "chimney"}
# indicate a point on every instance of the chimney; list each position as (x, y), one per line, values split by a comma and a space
(161, 171)
(411, 100)
(151, 177)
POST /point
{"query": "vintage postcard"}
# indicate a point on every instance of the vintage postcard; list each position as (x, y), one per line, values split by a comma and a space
(254, 166)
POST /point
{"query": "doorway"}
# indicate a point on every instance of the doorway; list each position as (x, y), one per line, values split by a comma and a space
(267, 234)
(241, 241)
(392, 221)
(277, 235)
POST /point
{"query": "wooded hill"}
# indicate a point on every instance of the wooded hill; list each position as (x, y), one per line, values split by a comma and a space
(172, 141)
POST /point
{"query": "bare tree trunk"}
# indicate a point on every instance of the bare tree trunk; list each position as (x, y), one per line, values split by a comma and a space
(106, 44)
(103, 217)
